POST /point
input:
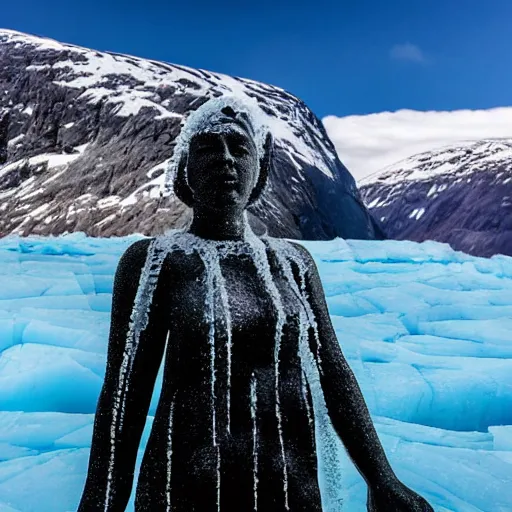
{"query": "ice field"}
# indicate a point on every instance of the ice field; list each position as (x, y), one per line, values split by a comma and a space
(427, 331)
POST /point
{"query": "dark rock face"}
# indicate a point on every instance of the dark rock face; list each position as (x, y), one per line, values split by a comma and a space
(461, 195)
(86, 137)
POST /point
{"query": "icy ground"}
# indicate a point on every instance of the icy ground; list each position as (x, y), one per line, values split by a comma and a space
(426, 330)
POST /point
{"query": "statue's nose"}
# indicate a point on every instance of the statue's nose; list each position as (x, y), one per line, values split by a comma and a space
(226, 153)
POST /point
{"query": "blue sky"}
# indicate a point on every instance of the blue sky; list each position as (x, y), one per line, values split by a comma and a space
(340, 57)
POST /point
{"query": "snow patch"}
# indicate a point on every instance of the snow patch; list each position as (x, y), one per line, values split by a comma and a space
(16, 140)
(297, 133)
(109, 201)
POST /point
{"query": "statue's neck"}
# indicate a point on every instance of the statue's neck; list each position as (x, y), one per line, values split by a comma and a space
(215, 226)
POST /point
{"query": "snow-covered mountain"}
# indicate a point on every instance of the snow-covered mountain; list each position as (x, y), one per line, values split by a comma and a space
(460, 194)
(86, 136)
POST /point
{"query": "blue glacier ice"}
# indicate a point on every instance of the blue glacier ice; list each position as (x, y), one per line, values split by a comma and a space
(427, 331)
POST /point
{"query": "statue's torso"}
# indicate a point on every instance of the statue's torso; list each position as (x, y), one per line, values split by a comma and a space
(235, 404)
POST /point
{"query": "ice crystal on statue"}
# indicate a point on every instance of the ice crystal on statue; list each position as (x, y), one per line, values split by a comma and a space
(205, 117)
(138, 323)
(227, 319)
(169, 459)
(254, 408)
(211, 262)
(326, 438)
(263, 268)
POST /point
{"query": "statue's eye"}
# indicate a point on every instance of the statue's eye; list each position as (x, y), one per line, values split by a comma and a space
(203, 148)
(204, 143)
(240, 150)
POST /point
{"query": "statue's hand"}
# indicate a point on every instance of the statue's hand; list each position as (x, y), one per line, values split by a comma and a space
(395, 497)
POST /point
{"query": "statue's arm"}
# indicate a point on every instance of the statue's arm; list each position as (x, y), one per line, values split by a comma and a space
(344, 400)
(114, 449)
(349, 414)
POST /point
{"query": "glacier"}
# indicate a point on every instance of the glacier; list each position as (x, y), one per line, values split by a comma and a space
(425, 329)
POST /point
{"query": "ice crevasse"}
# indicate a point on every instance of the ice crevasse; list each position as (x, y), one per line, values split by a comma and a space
(425, 329)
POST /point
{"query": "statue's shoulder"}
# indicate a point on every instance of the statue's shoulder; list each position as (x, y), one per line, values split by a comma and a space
(146, 256)
(300, 249)
(291, 249)
(130, 266)
(136, 253)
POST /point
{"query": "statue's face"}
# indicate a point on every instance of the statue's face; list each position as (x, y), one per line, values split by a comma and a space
(222, 167)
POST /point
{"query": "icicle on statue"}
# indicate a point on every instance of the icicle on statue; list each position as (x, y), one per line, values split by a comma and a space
(251, 358)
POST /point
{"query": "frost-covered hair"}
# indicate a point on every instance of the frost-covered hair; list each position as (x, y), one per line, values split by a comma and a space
(244, 112)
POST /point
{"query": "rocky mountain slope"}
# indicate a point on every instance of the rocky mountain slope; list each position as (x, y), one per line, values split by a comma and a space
(86, 136)
(460, 194)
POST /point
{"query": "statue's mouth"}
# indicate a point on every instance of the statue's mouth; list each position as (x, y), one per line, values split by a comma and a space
(228, 180)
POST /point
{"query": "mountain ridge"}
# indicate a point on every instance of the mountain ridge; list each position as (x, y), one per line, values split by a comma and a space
(460, 194)
(88, 136)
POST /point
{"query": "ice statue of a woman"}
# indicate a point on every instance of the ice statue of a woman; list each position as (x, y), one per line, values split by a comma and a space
(244, 326)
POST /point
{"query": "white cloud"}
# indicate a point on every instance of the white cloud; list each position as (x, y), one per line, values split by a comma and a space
(407, 51)
(366, 144)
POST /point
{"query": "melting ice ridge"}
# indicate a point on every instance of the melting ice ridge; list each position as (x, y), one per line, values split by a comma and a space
(425, 329)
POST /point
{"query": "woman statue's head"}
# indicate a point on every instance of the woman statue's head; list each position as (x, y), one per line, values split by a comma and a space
(222, 156)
